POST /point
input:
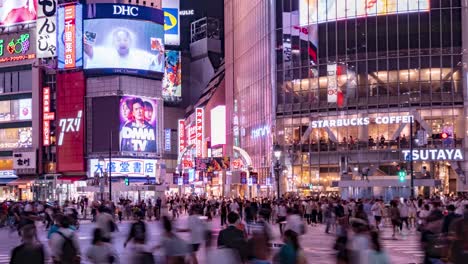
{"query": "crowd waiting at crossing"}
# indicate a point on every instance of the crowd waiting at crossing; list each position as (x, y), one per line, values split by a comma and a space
(248, 229)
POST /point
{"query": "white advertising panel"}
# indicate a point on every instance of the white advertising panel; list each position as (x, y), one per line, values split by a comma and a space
(46, 29)
(123, 167)
(218, 125)
(24, 160)
(332, 88)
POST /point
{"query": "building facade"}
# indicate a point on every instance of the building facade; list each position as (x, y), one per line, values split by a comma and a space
(358, 87)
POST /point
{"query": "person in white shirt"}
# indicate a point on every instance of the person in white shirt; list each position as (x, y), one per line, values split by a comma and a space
(234, 207)
(198, 230)
(294, 222)
(376, 210)
(404, 213)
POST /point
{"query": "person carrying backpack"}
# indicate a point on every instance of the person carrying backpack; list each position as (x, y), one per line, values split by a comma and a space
(64, 245)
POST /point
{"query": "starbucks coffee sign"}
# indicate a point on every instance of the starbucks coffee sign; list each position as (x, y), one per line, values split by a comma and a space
(361, 121)
(433, 154)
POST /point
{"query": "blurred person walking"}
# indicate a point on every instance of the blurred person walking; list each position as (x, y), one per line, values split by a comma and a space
(30, 251)
(101, 252)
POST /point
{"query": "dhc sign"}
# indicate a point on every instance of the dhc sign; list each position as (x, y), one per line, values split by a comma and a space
(434, 154)
(125, 10)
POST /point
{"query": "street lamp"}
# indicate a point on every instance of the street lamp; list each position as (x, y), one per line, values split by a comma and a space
(101, 162)
(278, 168)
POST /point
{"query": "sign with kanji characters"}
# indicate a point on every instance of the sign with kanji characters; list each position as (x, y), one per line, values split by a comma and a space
(124, 167)
(199, 120)
(70, 27)
(47, 116)
(46, 29)
(24, 160)
(181, 135)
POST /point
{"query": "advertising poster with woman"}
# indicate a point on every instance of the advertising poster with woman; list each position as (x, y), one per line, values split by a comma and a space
(138, 124)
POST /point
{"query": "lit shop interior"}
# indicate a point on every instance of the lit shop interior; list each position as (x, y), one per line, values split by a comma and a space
(320, 147)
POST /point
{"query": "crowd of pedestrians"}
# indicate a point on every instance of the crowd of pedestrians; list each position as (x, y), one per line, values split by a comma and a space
(248, 229)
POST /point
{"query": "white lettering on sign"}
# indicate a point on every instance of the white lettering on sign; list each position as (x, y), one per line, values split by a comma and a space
(125, 10)
(361, 121)
(260, 132)
(434, 154)
(189, 12)
(69, 125)
(139, 136)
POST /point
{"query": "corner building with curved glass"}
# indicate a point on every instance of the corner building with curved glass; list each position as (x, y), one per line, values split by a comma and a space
(360, 83)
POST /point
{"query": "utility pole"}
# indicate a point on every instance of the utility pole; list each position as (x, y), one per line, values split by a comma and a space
(411, 157)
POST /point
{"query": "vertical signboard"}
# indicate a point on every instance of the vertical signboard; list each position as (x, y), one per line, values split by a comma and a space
(46, 29)
(47, 116)
(167, 139)
(181, 135)
(70, 116)
(171, 22)
(70, 46)
(199, 119)
(332, 87)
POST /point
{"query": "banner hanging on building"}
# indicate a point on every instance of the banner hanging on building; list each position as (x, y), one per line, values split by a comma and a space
(47, 116)
(171, 22)
(70, 116)
(199, 121)
(70, 44)
(46, 29)
(181, 135)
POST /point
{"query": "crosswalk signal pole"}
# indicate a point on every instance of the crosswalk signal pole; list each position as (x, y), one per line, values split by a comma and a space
(411, 157)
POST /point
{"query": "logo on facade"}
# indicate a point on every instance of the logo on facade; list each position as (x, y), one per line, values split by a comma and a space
(69, 125)
(125, 10)
(433, 154)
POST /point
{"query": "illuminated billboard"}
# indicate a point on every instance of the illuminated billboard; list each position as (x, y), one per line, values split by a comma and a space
(123, 46)
(70, 46)
(70, 120)
(138, 124)
(218, 125)
(15, 110)
(46, 29)
(319, 11)
(172, 80)
(17, 11)
(17, 47)
(123, 167)
(14, 138)
(171, 22)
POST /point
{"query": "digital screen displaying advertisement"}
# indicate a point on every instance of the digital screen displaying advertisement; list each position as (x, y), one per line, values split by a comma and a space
(319, 11)
(172, 80)
(13, 138)
(17, 11)
(123, 46)
(138, 124)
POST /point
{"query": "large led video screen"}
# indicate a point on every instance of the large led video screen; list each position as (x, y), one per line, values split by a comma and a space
(319, 11)
(123, 46)
(138, 124)
(17, 11)
(172, 80)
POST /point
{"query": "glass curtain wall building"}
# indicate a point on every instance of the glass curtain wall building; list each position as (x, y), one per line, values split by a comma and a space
(361, 82)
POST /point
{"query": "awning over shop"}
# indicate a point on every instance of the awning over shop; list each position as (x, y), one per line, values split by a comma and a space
(4, 181)
(71, 179)
(21, 183)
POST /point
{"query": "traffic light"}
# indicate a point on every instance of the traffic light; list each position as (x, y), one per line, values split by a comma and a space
(127, 182)
(444, 135)
(402, 175)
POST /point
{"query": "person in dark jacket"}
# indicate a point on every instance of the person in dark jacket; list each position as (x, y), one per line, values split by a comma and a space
(232, 237)
(30, 251)
(448, 219)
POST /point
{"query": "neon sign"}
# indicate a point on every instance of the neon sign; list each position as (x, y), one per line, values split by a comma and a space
(17, 48)
(434, 154)
(20, 45)
(69, 125)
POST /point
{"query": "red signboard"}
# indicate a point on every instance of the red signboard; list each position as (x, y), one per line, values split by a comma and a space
(46, 112)
(70, 122)
(70, 36)
(181, 135)
(199, 119)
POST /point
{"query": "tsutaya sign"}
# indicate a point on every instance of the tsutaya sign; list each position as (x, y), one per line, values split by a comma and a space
(434, 154)
(361, 121)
